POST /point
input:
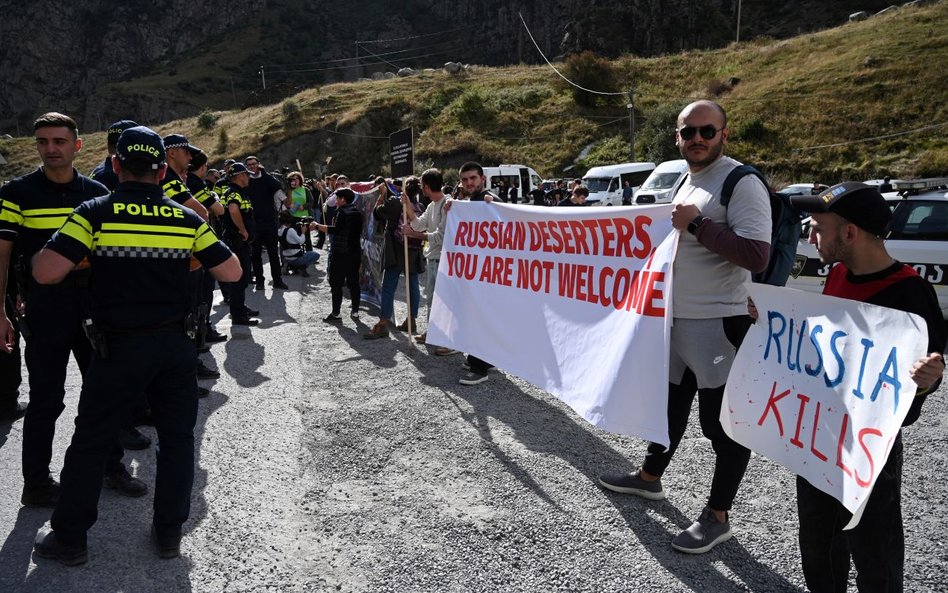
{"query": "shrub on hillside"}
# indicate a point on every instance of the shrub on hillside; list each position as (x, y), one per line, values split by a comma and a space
(291, 111)
(222, 140)
(656, 137)
(472, 107)
(207, 119)
(593, 72)
(610, 151)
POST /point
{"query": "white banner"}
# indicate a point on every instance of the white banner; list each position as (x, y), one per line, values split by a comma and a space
(574, 300)
(821, 385)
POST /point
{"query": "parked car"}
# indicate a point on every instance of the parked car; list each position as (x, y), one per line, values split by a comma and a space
(802, 189)
(605, 184)
(918, 236)
(660, 183)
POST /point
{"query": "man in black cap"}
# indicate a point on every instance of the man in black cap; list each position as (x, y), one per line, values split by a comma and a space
(239, 233)
(140, 244)
(266, 195)
(848, 224)
(104, 173)
(179, 152)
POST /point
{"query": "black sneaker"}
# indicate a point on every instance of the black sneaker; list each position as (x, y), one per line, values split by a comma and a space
(704, 534)
(168, 546)
(632, 484)
(13, 414)
(213, 336)
(47, 545)
(41, 496)
(473, 378)
(333, 318)
(204, 372)
(123, 482)
(281, 285)
(131, 439)
(245, 321)
(251, 312)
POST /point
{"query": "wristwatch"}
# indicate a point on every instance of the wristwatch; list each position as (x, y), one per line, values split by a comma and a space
(694, 224)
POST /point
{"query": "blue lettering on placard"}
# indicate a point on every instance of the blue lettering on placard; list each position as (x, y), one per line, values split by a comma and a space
(817, 329)
(839, 360)
(866, 346)
(890, 378)
(771, 316)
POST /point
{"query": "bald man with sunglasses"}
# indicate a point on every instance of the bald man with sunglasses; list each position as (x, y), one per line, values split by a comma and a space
(718, 249)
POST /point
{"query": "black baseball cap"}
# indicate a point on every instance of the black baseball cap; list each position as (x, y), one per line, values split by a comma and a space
(179, 141)
(236, 169)
(858, 203)
(142, 146)
(116, 129)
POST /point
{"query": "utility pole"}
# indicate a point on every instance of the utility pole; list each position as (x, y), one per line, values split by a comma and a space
(737, 36)
(631, 106)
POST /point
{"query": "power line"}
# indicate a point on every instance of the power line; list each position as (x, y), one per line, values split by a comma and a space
(389, 53)
(359, 65)
(412, 37)
(560, 74)
(883, 137)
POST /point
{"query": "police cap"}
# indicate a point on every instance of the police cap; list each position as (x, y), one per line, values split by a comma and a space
(141, 145)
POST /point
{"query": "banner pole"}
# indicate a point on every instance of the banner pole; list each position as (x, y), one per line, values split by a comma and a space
(410, 322)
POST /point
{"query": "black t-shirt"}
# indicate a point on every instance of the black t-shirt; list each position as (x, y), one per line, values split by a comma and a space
(260, 193)
(896, 287)
(32, 207)
(140, 245)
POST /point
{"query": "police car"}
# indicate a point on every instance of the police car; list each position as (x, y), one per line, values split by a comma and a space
(918, 236)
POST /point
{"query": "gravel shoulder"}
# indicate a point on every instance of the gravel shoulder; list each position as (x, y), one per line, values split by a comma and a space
(331, 463)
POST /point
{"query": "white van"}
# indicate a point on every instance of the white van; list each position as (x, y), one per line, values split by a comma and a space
(522, 177)
(659, 185)
(605, 184)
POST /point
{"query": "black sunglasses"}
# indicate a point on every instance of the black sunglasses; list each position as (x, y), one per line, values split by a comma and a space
(707, 132)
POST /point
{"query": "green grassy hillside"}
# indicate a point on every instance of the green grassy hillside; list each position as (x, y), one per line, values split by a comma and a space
(884, 78)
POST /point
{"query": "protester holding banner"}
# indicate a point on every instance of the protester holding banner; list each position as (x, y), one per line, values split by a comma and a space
(718, 249)
(430, 228)
(388, 216)
(472, 184)
(848, 224)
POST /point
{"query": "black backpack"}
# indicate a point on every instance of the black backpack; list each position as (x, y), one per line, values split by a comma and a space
(785, 228)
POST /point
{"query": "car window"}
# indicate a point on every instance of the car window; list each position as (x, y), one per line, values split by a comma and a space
(597, 183)
(920, 220)
(662, 181)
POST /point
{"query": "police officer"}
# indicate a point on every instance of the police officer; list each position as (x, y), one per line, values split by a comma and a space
(197, 171)
(103, 173)
(141, 245)
(31, 208)
(179, 152)
(239, 233)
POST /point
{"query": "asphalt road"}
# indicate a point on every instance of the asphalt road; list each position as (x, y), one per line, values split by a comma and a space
(330, 463)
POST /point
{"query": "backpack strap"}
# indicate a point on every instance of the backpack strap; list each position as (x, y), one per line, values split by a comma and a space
(679, 185)
(738, 173)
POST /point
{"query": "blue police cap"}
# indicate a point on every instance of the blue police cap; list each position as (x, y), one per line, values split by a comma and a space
(142, 146)
(116, 129)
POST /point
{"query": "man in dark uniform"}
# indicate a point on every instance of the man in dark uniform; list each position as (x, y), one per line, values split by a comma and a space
(239, 233)
(141, 245)
(179, 152)
(345, 254)
(32, 207)
(103, 173)
(197, 171)
(849, 222)
(264, 193)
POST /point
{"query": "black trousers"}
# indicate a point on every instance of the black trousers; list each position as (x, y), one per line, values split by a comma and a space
(876, 545)
(55, 316)
(237, 291)
(730, 458)
(268, 237)
(344, 271)
(163, 366)
(477, 365)
(10, 375)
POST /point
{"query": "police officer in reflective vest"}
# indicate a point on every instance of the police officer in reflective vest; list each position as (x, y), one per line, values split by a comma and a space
(32, 207)
(103, 173)
(140, 245)
(239, 232)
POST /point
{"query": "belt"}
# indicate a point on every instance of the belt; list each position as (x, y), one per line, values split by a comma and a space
(170, 327)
